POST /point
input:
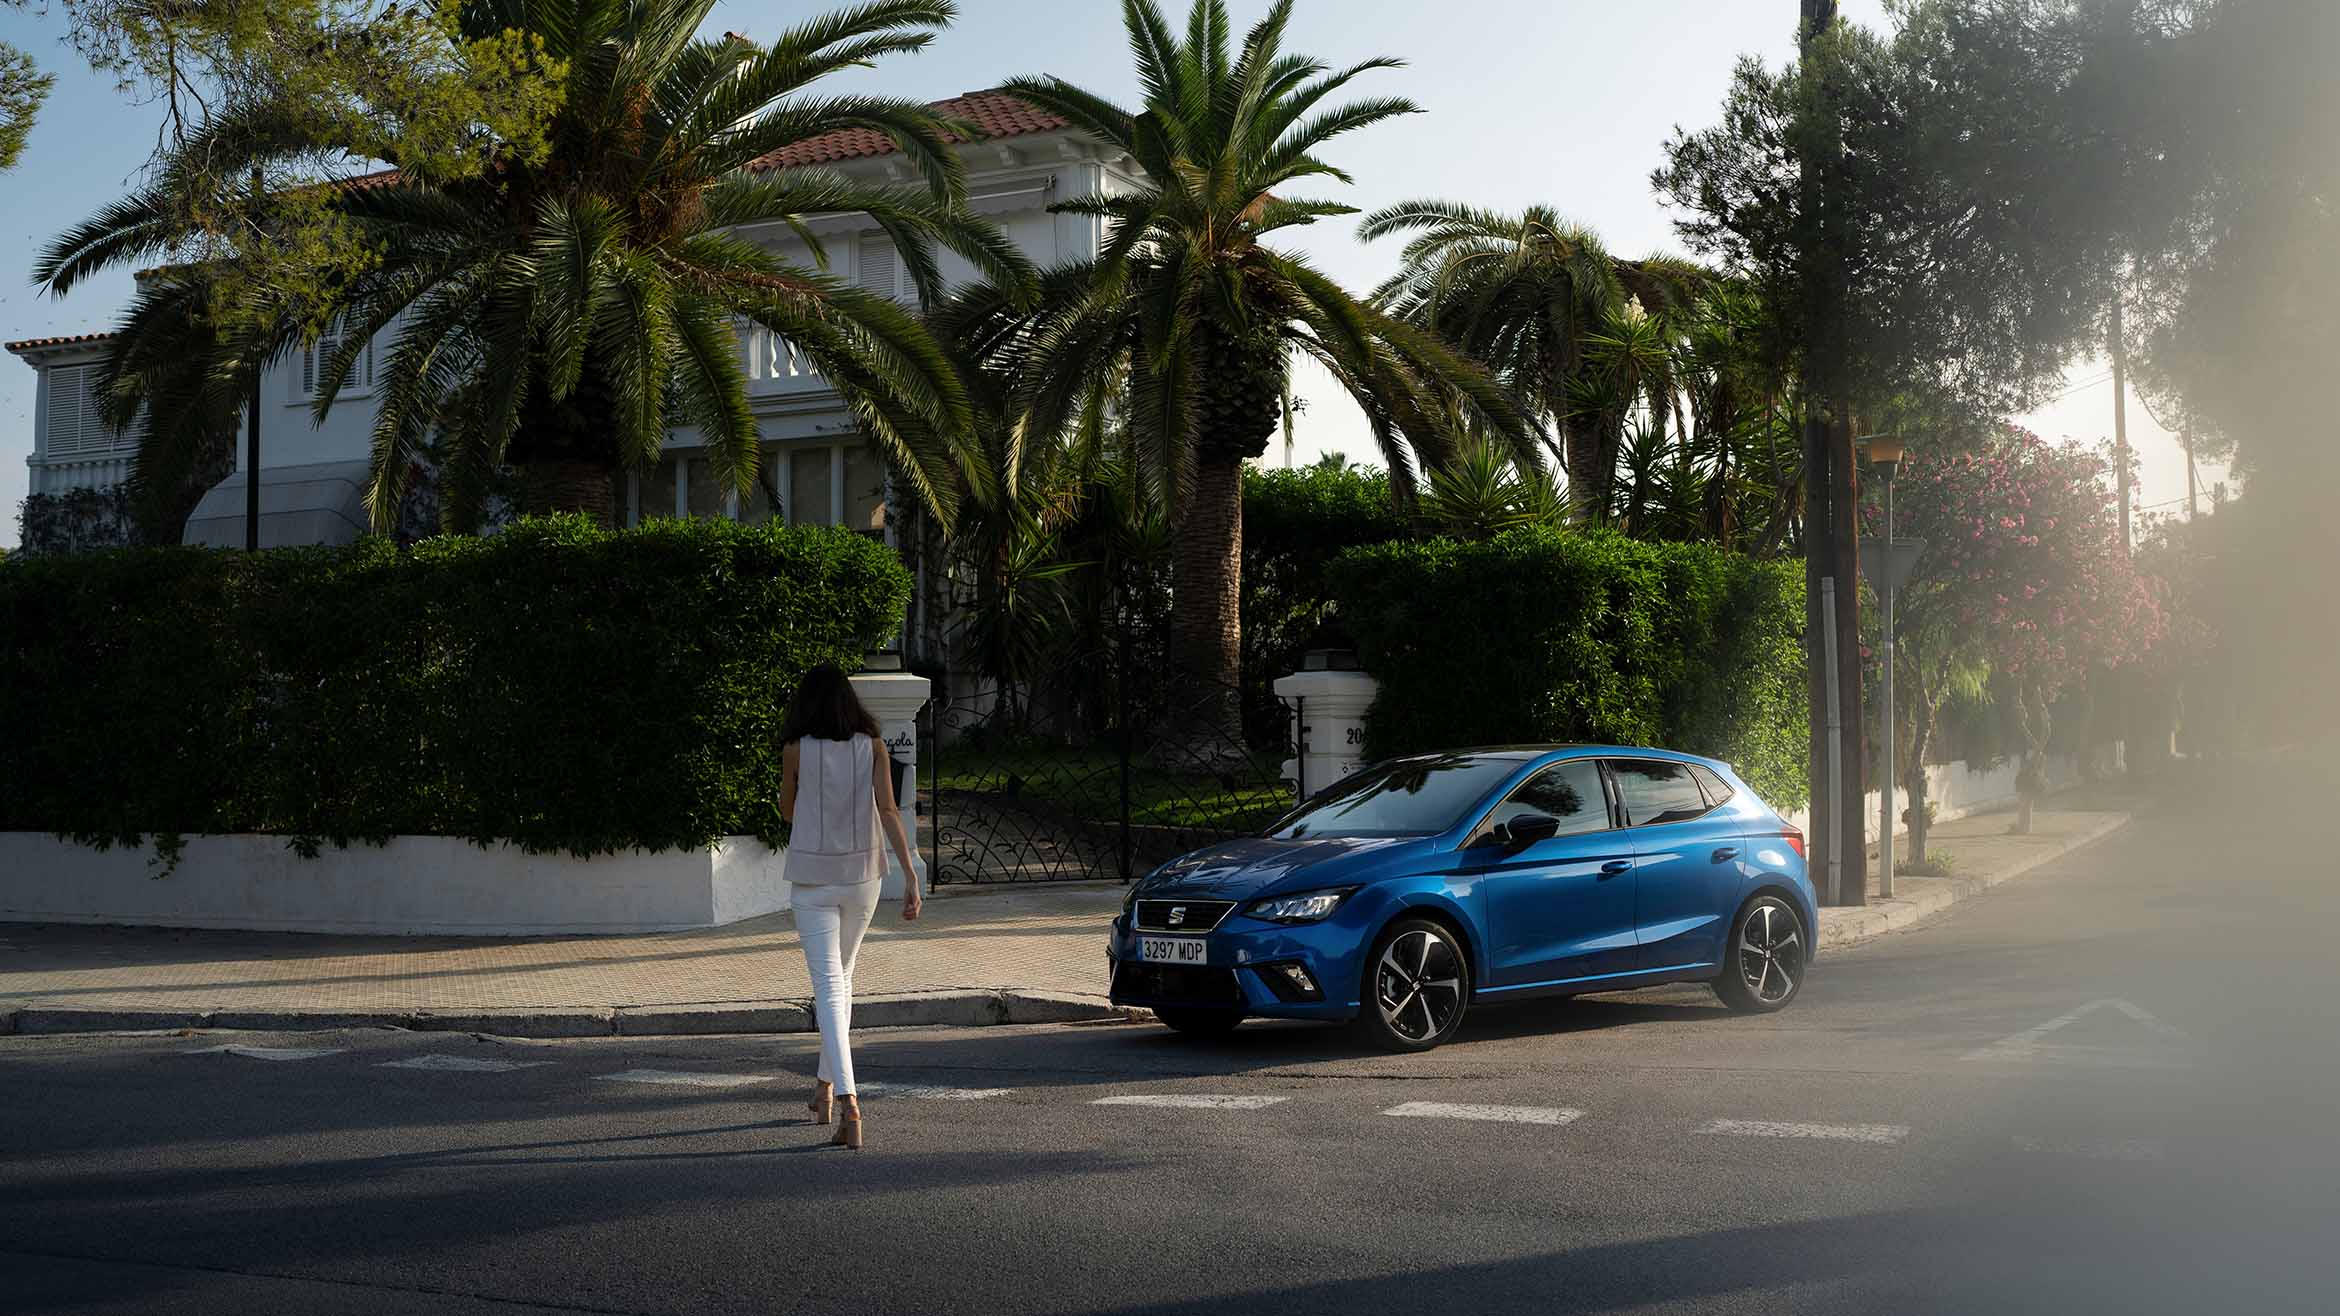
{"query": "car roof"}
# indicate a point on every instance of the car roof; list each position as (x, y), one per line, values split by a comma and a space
(1558, 751)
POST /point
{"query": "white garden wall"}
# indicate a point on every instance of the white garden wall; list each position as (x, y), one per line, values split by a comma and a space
(415, 884)
(1957, 790)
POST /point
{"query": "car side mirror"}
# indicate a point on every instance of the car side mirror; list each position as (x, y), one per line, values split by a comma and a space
(1529, 828)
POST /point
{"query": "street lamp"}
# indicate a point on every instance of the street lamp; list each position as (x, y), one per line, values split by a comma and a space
(1885, 454)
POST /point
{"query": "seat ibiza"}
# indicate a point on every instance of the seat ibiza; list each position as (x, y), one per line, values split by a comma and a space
(1420, 886)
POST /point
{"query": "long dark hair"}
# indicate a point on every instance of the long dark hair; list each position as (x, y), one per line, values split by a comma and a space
(826, 708)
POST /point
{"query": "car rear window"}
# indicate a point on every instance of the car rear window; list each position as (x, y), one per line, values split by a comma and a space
(1717, 790)
(1656, 791)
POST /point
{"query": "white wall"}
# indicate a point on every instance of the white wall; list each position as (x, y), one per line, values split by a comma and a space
(1957, 790)
(414, 885)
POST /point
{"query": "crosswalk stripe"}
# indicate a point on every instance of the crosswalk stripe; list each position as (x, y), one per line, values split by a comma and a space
(1881, 1133)
(462, 1064)
(927, 1092)
(1199, 1101)
(1446, 1110)
(680, 1079)
(269, 1052)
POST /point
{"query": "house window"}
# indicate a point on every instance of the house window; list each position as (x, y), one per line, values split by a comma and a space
(882, 271)
(75, 428)
(808, 487)
(318, 355)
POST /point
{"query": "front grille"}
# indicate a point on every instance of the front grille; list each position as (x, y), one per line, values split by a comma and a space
(1175, 984)
(1191, 915)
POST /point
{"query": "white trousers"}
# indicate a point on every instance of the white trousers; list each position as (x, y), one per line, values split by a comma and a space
(830, 921)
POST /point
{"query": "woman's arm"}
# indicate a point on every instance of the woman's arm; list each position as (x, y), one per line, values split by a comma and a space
(788, 781)
(890, 813)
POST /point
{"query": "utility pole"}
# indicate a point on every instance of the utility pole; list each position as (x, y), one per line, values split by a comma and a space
(252, 419)
(2186, 437)
(2120, 356)
(1831, 523)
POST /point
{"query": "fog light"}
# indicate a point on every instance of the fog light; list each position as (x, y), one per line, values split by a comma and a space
(1290, 982)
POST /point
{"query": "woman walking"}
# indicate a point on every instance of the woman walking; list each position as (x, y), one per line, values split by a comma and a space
(837, 788)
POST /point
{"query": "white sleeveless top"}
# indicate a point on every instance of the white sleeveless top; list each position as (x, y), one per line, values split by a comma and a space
(833, 839)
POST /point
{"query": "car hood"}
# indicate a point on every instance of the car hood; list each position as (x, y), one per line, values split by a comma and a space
(1257, 866)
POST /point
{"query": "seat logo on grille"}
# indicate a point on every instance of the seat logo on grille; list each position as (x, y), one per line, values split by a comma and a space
(1177, 915)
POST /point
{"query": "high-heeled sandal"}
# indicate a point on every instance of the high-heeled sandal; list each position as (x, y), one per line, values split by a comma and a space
(824, 1097)
(848, 1129)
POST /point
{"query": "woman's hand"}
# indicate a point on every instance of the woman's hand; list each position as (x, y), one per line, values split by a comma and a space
(912, 902)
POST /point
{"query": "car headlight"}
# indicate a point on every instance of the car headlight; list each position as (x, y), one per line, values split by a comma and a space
(1307, 907)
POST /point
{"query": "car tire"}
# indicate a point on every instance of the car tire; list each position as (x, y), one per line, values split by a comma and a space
(1199, 1023)
(1764, 961)
(1416, 988)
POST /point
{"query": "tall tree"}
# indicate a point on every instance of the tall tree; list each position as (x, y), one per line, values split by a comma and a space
(1521, 293)
(560, 305)
(1188, 318)
(22, 89)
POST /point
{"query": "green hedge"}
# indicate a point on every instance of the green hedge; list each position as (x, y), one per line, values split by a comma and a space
(1543, 635)
(560, 686)
(1295, 523)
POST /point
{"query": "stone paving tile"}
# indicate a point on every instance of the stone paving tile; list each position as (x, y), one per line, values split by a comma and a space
(1044, 940)
(1048, 940)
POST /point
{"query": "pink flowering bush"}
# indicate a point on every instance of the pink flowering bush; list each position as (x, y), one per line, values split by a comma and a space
(2023, 572)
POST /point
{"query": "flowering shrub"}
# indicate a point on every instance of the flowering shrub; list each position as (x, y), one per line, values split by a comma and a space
(2023, 571)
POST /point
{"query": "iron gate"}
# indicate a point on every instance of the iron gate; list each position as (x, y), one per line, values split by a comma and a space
(1099, 767)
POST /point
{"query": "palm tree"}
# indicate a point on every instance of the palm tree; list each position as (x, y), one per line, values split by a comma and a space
(1186, 321)
(1529, 294)
(560, 313)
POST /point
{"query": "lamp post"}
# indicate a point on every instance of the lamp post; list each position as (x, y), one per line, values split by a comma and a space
(1885, 453)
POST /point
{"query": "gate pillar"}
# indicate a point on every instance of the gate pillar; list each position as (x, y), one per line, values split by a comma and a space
(894, 698)
(1331, 740)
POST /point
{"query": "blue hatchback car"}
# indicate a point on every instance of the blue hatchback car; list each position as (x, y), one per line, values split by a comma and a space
(1405, 893)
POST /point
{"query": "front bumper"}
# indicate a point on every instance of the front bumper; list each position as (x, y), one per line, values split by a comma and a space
(1241, 970)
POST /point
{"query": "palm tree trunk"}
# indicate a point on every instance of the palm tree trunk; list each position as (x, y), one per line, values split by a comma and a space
(551, 485)
(1588, 492)
(1206, 580)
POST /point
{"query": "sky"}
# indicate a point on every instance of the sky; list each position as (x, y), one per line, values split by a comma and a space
(1566, 102)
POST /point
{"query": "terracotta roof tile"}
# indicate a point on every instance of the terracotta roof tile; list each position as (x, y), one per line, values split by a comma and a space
(995, 112)
(67, 340)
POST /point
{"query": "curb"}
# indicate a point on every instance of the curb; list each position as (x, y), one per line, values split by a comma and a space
(1880, 917)
(961, 1008)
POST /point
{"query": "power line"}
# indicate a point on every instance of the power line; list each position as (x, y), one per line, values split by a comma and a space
(2089, 383)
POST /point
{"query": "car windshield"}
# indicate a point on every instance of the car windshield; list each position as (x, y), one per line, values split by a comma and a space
(1411, 797)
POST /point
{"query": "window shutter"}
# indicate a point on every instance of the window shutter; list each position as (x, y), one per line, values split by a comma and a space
(75, 427)
(65, 411)
(881, 268)
(95, 437)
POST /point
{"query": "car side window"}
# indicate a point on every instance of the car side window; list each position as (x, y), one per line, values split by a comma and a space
(1655, 791)
(1718, 791)
(1570, 792)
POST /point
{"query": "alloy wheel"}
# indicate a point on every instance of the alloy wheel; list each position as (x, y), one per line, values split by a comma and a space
(1771, 954)
(1418, 984)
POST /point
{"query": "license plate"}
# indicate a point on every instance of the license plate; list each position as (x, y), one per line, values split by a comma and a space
(1173, 950)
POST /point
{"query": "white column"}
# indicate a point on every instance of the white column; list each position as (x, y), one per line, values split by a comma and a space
(1332, 725)
(633, 498)
(682, 487)
(894, 699)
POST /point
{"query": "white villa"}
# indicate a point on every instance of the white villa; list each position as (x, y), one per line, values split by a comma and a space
(312, 476)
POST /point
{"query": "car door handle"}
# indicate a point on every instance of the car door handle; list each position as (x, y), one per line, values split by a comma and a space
(1614, 867)
(1726, 854)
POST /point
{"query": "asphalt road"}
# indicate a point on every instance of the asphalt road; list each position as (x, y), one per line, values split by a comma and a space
(2108, 1086)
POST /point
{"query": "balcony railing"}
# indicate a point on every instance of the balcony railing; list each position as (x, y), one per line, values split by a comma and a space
(777, 365)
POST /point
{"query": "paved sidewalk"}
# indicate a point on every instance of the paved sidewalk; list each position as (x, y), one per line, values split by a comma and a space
(994, 956)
